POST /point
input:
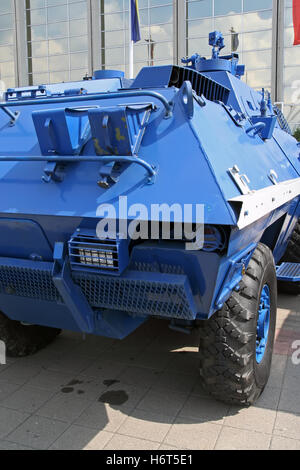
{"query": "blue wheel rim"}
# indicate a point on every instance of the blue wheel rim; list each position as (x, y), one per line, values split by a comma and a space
(263, 323)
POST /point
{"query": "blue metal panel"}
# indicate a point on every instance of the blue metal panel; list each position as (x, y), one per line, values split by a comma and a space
(71, 295)
(291, 214)
(268, 124)
(118, 325)
(110, 324)
(172, 258)
(21, 238)
(61, 131)
(240, 239)
(42, 312)
(105, 74)
(253, 156)
(287, 145)
(158, 148)
(153, 77)
(119, 130)
(236, 270)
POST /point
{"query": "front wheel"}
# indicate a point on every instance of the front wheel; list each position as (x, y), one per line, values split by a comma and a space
(236, 344)
(22, 340)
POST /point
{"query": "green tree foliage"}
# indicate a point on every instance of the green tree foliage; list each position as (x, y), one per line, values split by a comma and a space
(297, 134)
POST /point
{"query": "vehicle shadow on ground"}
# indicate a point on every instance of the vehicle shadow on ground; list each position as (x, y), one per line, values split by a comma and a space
(142, 392)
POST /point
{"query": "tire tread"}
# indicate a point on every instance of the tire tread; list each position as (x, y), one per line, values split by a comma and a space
(226, 340)
(21, 340)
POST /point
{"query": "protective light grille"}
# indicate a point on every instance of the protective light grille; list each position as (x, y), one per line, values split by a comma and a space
(100, 258)
(86, 251)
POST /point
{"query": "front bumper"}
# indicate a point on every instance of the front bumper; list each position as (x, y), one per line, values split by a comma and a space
(138, 293)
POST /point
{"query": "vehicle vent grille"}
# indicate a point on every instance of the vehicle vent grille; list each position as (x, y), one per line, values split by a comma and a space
(201, 84)
(282, 120)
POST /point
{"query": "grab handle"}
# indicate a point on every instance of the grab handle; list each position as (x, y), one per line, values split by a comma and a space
(97, 96)
(81, 158)
(259, 126)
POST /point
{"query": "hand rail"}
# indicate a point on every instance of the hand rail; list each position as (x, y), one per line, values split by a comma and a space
(13, 116)
(97, 96)
(81, 158)
(259, 126)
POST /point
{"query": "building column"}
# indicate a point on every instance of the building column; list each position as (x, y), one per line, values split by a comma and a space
(180, 31)
(278, 51)
(21, 56)
(95, 35)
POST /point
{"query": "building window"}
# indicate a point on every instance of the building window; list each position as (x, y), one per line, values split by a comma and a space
(156, 46)
(7, 44)
(54, 44)
(57, 40)
(291, 77)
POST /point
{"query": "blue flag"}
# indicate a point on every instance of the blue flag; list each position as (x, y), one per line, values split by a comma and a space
(135, 21)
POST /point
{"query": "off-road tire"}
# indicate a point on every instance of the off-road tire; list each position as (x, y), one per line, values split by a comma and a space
(228, 366)
(292, 255)
(22, 340)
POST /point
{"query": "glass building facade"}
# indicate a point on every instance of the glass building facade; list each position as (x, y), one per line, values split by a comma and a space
(57, 40)
(7, 42)
(44, 41)
(157, 30)
(251, 19)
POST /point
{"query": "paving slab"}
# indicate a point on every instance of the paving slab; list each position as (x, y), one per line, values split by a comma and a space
(38, 432)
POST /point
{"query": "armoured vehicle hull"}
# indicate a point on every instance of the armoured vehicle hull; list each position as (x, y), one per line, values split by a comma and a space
(178, 147)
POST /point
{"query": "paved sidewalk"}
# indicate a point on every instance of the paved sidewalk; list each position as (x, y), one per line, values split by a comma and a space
(143, 393)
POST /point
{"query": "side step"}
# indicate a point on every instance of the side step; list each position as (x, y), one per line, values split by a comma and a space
(288, 272)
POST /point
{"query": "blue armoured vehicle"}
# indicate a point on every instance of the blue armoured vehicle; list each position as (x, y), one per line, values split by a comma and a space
(82, 162)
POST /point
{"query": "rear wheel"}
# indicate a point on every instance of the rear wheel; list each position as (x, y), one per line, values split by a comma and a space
(237, 342)
(292, 255)
(22, 340)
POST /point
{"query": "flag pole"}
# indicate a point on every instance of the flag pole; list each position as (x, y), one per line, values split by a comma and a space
(130, 43)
